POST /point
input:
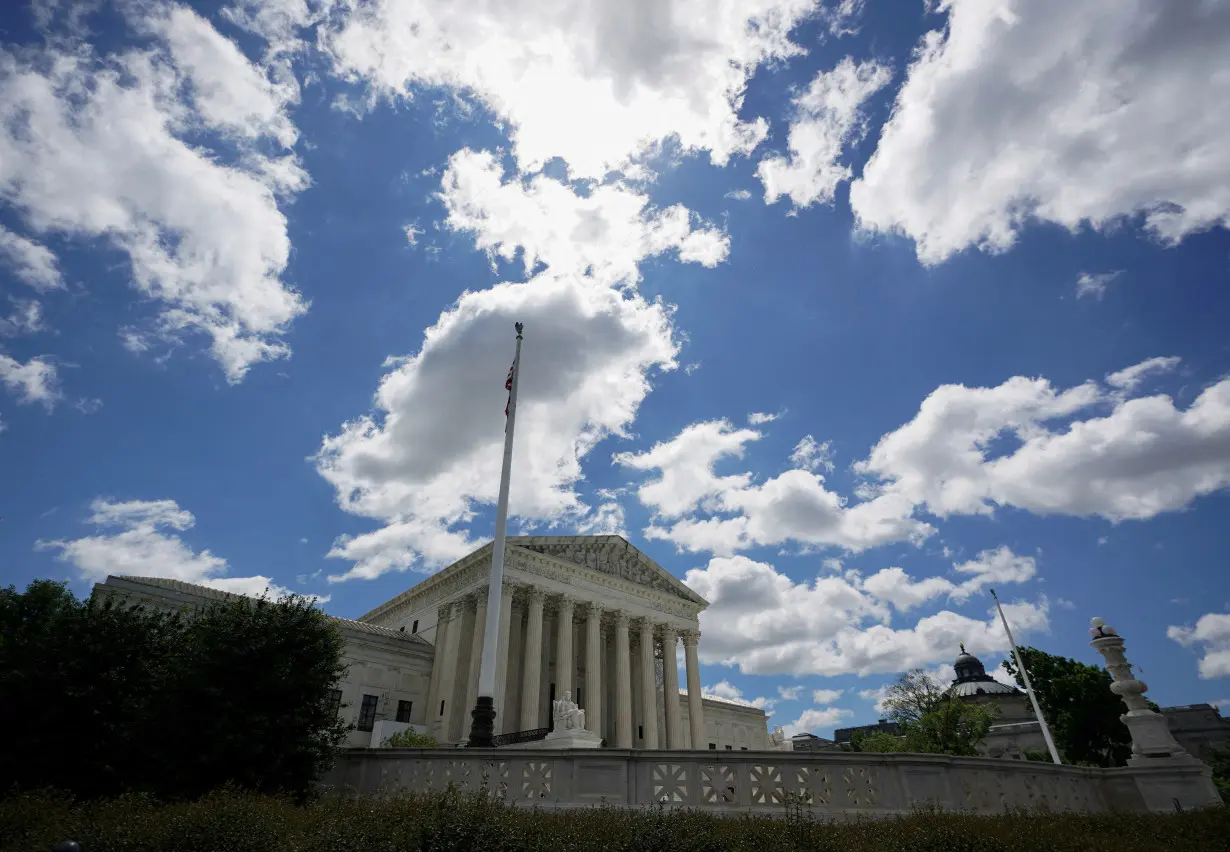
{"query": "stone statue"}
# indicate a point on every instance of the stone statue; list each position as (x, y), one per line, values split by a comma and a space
(567, 715)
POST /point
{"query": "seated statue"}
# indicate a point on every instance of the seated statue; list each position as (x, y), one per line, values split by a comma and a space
(567, 716)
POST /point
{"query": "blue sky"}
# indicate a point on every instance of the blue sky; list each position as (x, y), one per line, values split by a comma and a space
(844, 313)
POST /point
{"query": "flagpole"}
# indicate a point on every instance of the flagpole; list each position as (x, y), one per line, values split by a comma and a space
(482, 725)
(1029, 690)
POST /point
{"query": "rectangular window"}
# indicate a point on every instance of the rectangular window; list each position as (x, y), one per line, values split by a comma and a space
(640, 732)
(730, 748)
(414, 628)
(335, 701)
(742, 748)
(580, 699)
(441, 706)
(712, 746)
(403, 710)
(551, 708)
(367, 713)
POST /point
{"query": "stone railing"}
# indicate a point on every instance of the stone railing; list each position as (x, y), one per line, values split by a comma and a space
(825, 784)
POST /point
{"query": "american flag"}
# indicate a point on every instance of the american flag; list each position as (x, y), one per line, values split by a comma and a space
(508, 387)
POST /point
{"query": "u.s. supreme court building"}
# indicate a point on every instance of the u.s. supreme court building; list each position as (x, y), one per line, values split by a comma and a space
(588, 615)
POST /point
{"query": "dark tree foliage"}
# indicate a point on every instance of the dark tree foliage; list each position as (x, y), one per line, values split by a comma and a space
(101, 698)
(1080, 708)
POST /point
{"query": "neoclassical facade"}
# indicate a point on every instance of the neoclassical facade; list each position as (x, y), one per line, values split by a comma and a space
(587, 615)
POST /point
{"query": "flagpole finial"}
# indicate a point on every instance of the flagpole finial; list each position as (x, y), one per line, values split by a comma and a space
(520, 326)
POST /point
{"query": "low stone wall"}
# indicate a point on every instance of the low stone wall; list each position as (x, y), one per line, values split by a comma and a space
(824, 783)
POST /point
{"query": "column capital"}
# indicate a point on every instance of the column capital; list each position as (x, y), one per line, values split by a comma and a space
(593, 609)
(669, 634)
(646, 626)
(567, 602)
(690, 638)
(622, 618)
(536, 594)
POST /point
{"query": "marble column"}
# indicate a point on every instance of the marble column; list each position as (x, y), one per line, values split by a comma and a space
(593, 669)
(649, 686)
(696, 711)
(565, 665)
(437, 667)
(670, 687)
(476, 659)
(501, 656)
(448, 672)
(533, 662)
(623, 683)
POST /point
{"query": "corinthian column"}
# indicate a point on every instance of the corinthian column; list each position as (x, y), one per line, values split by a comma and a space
(501, 671)
(533, 662)
(623, 683)
(593, 669)
(670, 686)
(696, 709)
(476, 656)
(565, 665)
(448, 673)
(649, 686)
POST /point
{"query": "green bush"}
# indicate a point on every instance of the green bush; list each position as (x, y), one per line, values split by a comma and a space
(229, 821)
(410, 738)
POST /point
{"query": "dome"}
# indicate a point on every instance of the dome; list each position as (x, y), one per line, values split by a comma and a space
(972, 678)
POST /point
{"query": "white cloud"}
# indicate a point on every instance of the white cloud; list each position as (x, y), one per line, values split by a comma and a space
(828, 119)
(33, 381)
(1130, 378)
(877, 696)
(107, 136)
(432, 448)
(895, 586)
(32, 263)
(810, 454)
(794, 506)
(1063, 112)
(26, 318)
(729, 692)
(826, 696)
(603, 234)
(1143, 458)
(790, 693)
(840, 17)
(817, 721)
(766, 623)
(738, 195)
(598, 84)
(1095, 283)
(1212, 632)
(140, 538)
(756, 418)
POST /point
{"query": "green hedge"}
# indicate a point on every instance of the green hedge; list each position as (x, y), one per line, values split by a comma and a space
(232, 822)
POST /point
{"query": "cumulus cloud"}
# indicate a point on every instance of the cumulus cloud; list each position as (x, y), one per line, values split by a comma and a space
(32, 263)
(828, 119)
(26, 317)
(1144, 457)
(33, 381)
(141, 538)
(107, 135)
(727, 691)
(898, 588)
(766, 623)
(810, 454)
(826, 696)
(431, 450)
(816, 720)
(1130, 378)
(1095, 284)
(1212, 634)
(790, 693)
(1071, 113)
(794, 506)
(757, 418)
(605, 233)
(598, 84)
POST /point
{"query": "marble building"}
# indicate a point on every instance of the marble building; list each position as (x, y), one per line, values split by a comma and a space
(590, 615)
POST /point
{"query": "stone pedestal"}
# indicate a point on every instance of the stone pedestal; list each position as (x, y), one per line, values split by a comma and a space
(558, 739)
(569, 727)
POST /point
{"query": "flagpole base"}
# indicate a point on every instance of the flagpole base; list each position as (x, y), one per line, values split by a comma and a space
(482, 725)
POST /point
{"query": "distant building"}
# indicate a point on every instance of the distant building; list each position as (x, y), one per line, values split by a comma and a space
(1198, 728)
(811, 742)
(842, 736)
(1016, 729)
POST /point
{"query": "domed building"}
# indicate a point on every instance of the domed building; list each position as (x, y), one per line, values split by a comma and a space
(1015, 729)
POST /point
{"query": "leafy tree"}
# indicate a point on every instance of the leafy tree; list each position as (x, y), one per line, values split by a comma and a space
(880, 741)
(931, 720)
(410, 738)
(1219, 761)
(102, 697)
(1082, 712)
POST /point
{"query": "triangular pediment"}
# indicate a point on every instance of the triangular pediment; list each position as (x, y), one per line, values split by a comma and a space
(609, 554)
